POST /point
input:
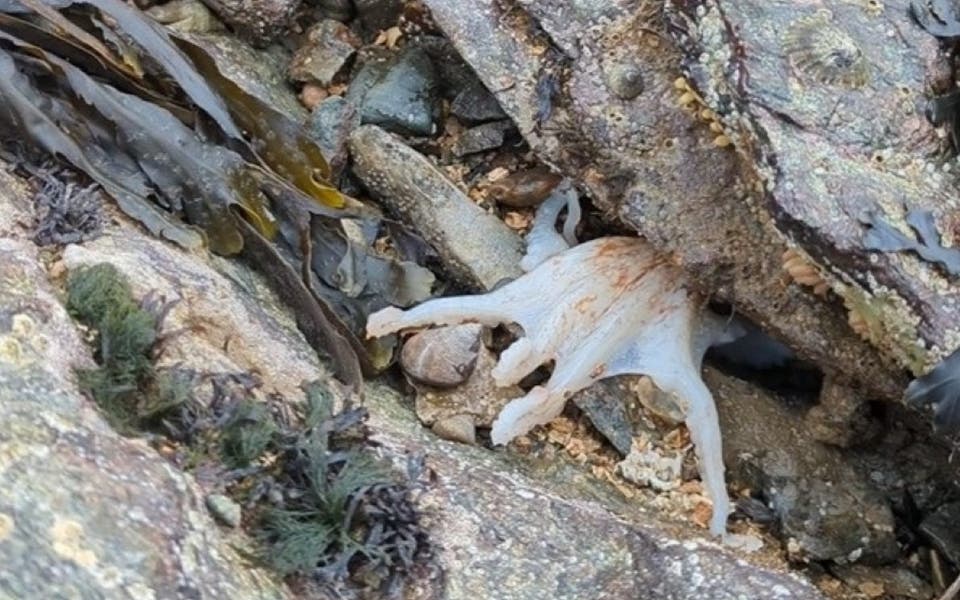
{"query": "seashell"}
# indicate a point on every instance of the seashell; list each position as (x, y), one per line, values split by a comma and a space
(825, 53)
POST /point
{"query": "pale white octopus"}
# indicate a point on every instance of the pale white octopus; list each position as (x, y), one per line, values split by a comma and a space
(611, 306)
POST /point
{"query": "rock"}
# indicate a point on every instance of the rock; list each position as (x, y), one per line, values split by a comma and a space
(330, 125)
(454, 74)
(940, 528)
(442, 357)
(338, 10)
(400, 95)
(661, 470)
(892, 582)
(488, 136)
(458, 428)
(525, 188)
(324, 53)
(648, 162)
(604, 404)
(375, 15)
(224, 509)
(85, 512)
(186, 16)
(258, 21)
(843, 417)
(826, 508)
(478, 398)
(475, 246)
(475, 104)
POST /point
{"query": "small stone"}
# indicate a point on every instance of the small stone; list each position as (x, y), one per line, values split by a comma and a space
(375, 15)
(327, 48)
(399, 95)
(442, 357)
(625, 80)
(941, 530)
(525, 188)
(311, 95)
(458, 428)
(843, 417)
(258, 22)
(224, 509)
(476, 104)
(488, 136)
(330, 125)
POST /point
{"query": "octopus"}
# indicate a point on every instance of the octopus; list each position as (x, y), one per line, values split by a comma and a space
(607, 307)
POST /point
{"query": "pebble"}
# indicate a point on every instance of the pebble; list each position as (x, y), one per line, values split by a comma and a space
(224, 509)
(481, 138)
(475, 104)
(458, 428)
(330, 125)
(525, 188)
(442, 357)
(327, 48)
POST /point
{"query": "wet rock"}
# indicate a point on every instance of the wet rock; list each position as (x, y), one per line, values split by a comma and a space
(106, 514)
(475, 104)
(442, 357)
(257, 21)
(842, 417)
(474, 245)
(375, 15)
(604, 404)
(481, 138)
(525, 188)
(478, 399)
(327, 48)
(224, 509)
(330, 125)
(827, 509)
(940, 528)
(458, 428)
(890, 582)
(399, 95)
(338, 10)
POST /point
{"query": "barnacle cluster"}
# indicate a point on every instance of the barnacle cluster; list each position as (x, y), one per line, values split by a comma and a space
(803, 272)
(693, 103)
(825, 53)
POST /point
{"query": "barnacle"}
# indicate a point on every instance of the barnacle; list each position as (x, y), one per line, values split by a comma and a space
(804, 273)
(825, 53)
(607, 307)
(693, 103)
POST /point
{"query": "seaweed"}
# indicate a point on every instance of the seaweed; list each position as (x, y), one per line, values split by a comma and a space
(883, 237)
(126, 386)
(940, 388)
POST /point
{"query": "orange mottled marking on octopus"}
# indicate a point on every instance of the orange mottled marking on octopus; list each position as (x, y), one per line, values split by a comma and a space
(583, 303)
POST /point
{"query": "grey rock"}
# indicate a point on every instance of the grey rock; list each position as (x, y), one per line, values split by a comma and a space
(224, 509)
(400, 95)
(442, 357)
(826, 508)
(893, 582)
(843, 416)
(85, 512)
(475, 246)
(258, 21)
(940, 528)
(475, 104)
(604, 403)
(454, 74)
(326, 49)
(330, 125)
(458, 428)
(488, 136)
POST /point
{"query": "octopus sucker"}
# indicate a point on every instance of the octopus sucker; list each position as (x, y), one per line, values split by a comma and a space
(825, 53)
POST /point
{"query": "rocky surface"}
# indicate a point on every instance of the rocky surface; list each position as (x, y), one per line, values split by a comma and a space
(639, 158)
(399, 94)
(258, 21)
(325, 52)
(506, 528)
